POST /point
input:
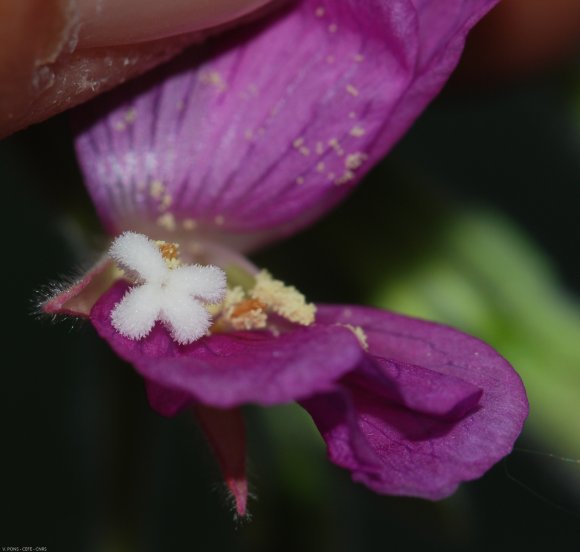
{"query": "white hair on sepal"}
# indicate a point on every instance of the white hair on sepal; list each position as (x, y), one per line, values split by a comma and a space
(221, 489)
(49, 291)
(87, 252)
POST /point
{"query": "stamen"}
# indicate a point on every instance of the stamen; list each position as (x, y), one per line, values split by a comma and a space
(284, 300)
(240, 313)
(246, 306)
(255, 319)
(186, 297)
(169, 252)
(249, 310)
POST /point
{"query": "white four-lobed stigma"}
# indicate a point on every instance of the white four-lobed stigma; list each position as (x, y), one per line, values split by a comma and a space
(174, 296)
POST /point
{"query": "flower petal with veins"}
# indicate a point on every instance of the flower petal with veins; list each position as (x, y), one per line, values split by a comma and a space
(252, 137)
(401, 444)
(220, 137)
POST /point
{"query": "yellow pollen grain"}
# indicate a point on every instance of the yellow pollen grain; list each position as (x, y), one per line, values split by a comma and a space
(357, 131)
(213, 78)
(189, 224)
(167, 221)
(353, 91)
(233, 296)
(319, 12)
(347, 176)
(360, 335)
(300, 180)
(219, 220)
(245, 306)
(298, 143)
(169, 252)
(156, 189)
(335, 145)
(304, 151)
(332, 28)
(320, 167)
(284, 300)
(166, 202)
(354, 160)
(319, 148)
(252, 320)
(241, 313)
(131, 116)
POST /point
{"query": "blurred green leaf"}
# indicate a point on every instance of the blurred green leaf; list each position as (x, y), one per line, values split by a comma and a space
(483, 276)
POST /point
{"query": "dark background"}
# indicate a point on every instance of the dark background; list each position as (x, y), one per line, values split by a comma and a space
(86, 465)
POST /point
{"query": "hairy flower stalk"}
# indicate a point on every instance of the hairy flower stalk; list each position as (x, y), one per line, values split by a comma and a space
(248, 140)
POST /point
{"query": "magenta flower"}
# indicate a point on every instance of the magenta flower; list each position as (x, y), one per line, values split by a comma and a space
(246, 141)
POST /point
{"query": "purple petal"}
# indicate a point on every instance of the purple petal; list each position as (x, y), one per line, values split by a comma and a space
(404, 446)
(416, 388)
(227, 370)
(167, 402)
(269, 127)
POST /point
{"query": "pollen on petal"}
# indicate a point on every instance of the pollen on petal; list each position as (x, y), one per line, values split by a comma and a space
(167, 221)
(284, 300)
(360, 335)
